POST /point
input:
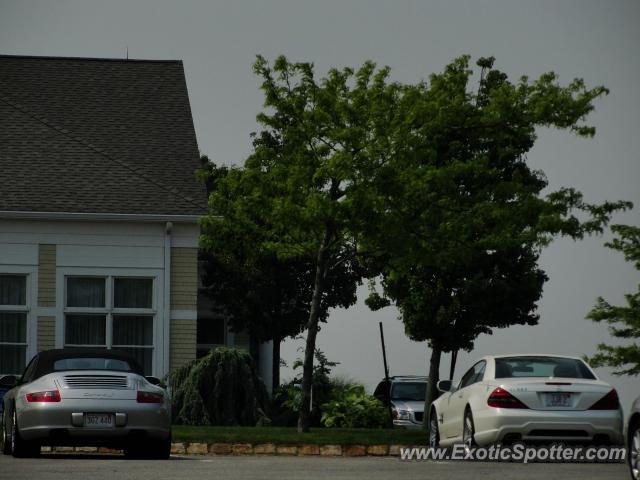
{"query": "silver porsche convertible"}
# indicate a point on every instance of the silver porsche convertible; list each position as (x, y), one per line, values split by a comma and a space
(86, 397)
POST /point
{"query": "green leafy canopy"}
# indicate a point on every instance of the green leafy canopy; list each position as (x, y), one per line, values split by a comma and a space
(467, 215)
(623, 321)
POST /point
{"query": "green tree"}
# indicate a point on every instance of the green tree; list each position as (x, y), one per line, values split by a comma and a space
(624, 321)
(309, 172)
(257, 291)
(301, 190)
(467, 213)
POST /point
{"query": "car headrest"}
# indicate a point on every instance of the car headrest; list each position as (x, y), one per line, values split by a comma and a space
(503, 370)
(564, 370)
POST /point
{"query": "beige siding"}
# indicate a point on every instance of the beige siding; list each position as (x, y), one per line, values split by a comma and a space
(46, 333)
(184, 278)
(46, 275)
(183, 342)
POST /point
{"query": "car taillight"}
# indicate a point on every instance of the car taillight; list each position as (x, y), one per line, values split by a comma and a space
(609, 402)
(500, 398)
(50, 396)
(149, 397)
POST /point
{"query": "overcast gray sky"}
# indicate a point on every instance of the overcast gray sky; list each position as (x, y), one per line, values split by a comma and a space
(218, 41)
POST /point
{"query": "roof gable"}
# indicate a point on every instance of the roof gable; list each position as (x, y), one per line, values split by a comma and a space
(91, 136)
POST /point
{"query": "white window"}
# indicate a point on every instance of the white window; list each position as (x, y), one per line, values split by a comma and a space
(111, 312)
(13, 323)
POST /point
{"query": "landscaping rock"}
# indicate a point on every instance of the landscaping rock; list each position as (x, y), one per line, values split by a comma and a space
(87, 449)
(220, 449)
(378, 450)
(197, 449)
(309, 449)
(331, 450)
(287, 450)
(178, 449)
(242, 449)
(63, 449)
(264, 449)
(114, 451)
(355, 451)
(394, 450)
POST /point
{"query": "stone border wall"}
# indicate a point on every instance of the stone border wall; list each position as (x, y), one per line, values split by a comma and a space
(302, 449)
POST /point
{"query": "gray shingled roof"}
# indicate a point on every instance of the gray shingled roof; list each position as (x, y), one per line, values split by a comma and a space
(97, 136)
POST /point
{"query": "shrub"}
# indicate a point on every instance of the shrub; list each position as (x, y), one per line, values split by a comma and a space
(221, 388)
(351, 407)
(288, 397)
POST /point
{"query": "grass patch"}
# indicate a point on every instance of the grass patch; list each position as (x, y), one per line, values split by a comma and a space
(289, 435)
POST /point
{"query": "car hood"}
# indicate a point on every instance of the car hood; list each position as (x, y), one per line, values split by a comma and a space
(412, 405)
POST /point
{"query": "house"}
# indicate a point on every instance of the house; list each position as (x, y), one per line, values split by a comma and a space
(99, 209)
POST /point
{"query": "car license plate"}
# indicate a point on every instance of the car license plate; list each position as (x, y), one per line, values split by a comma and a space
(558, 399)
(98, 420)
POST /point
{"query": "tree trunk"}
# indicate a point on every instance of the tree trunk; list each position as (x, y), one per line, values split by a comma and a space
(434, 377)
(275, 364)
(312, 332)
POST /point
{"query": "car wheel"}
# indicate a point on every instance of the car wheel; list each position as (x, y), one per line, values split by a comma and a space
(434, 433)
(634, 450)
(468, 430)
(5, 441)
(19, 447)
(163, 449)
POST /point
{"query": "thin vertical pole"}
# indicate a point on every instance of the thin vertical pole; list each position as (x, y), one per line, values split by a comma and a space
(386, 374)
(452, 368)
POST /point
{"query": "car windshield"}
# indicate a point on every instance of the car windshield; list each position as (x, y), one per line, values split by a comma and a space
(91, 363)
(409, 391)
(513, 367)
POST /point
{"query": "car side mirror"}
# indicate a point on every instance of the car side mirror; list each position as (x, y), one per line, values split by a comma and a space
(444, 386)
(154, 380)
(9, 381)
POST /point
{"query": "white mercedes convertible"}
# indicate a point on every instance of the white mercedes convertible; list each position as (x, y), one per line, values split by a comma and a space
(527, 398)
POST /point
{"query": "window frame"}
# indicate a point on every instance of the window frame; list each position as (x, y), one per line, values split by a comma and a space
(109, 311)
(473, 376)
(26, 309)
(101, 311)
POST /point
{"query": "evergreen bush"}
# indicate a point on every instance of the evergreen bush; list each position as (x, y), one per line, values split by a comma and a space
(221, 388)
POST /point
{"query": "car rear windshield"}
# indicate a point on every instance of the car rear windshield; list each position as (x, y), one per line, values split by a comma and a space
(513, 367)
(91, 363)
(409, 391)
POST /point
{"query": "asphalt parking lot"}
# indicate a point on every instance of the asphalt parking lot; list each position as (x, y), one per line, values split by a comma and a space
(68, 467)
